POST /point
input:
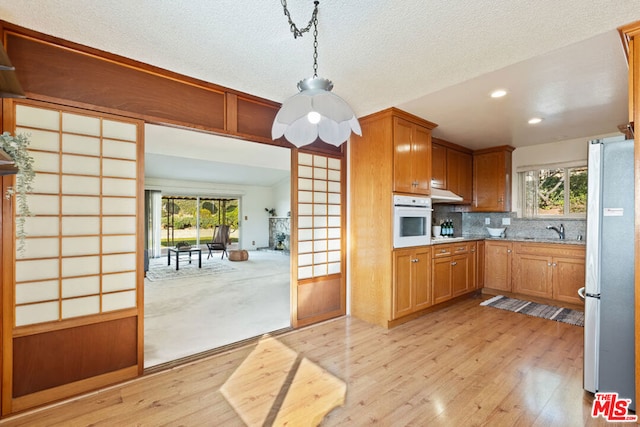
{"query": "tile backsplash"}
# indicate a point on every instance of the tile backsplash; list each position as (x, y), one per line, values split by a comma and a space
(443, 212)
(474, 224)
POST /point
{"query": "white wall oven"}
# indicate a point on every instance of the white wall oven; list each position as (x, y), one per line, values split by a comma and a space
(411, 221)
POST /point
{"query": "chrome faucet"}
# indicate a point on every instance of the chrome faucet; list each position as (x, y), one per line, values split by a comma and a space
(560, 230)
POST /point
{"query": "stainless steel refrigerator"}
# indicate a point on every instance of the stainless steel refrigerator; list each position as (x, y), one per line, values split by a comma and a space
(609, 288)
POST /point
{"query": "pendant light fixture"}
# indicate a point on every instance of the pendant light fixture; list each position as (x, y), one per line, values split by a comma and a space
(315, 111)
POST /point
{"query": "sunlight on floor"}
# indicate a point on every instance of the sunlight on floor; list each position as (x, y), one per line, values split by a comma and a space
(276, 386)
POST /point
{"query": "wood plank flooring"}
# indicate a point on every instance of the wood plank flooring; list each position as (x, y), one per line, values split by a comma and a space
(465, 365)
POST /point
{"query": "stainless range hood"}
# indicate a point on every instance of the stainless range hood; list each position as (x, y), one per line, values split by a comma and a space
(444, 196)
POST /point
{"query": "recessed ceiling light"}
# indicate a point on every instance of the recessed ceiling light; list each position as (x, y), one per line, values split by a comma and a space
(498, 93)
(535, 120)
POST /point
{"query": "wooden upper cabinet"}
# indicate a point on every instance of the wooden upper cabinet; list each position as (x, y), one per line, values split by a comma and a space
(411, 157)
(451, 168)
(492, 179)
(629, 35)
(459, 174)
(438, 166)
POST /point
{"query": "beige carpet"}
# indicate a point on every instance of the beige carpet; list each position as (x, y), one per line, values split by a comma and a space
(190, 315)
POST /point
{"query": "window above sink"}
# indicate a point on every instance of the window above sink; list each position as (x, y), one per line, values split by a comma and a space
(553, 191)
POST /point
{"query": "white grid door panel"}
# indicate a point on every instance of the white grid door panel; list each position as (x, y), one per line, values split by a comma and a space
(319, 216)
(80, 252)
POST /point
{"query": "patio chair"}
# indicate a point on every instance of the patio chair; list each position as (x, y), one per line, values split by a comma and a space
(219, 241)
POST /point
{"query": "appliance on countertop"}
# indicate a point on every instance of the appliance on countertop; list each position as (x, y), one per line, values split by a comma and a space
(411, 221)
(444, 196)
(609, 339)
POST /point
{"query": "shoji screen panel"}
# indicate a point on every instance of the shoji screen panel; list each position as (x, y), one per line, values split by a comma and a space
(80, 252)
(320, 242)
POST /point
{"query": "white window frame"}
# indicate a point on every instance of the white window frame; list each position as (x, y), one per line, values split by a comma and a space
(522, 199)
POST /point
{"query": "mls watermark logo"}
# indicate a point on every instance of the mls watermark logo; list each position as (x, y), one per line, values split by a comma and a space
(612, 408)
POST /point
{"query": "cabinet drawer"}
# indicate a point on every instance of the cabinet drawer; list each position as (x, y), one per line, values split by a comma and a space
(440, 251)
(550, 249)
(461, 248)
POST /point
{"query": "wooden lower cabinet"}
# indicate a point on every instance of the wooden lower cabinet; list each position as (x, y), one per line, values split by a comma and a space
(545, 270)
(497, 264)
(568, 277)
(442, 280)
(478, 281)
(453, 270)
(412, 280)
(460, 272)
(532, 275)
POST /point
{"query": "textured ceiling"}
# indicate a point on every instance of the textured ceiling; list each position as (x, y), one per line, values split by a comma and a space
(436, 59)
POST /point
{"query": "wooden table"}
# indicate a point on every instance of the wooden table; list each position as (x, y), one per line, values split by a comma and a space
(179, 251)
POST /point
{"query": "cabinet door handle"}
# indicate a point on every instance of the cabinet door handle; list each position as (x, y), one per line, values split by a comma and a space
(415, 260)
(508, 251)
(473, 250)
(555, 265)
(454, 263)
(549, 264)
(442, 251)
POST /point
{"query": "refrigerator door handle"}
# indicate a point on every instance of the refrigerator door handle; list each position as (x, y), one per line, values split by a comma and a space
(582, 294)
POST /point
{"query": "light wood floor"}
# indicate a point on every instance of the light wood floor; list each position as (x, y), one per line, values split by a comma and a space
(461, 366)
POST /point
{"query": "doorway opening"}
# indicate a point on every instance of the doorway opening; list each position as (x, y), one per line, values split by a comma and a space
(213, 301)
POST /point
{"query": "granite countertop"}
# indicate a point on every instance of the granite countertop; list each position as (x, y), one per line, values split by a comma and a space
(445, 240)
(539, 240)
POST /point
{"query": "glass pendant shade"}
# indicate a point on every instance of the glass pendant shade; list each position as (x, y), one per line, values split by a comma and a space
(336, 118)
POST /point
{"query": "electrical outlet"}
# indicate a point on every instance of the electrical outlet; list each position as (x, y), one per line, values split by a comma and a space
(487, 221)
(253, 242)
(506, 221)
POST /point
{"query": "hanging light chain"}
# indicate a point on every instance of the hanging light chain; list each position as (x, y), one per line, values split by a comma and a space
(315, 42)
(297, 32)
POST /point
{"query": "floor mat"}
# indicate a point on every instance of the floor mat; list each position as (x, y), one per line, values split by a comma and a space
(551, 312)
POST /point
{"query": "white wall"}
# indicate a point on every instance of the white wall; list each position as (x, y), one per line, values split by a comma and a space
(566, 151)
(282, 197)
(254, 230)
